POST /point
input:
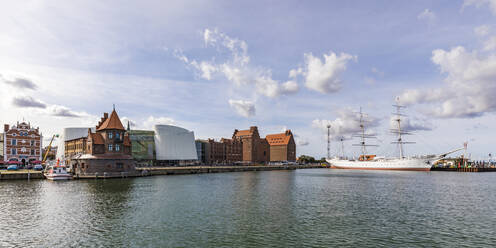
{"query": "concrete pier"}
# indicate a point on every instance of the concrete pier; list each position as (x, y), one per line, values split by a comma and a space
(151, 171)
(21, 175)
(474, 169)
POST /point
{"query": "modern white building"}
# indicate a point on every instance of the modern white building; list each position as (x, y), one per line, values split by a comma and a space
(70, 133)
(174, 143)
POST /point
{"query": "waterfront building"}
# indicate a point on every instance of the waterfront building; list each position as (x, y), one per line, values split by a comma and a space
(107, 151)
(69, 134)
(246, 146)
(1, 146)
(255, 149)
(174, 145)
(142, 146)
(282, 146)
(202, 150)
(22, 143)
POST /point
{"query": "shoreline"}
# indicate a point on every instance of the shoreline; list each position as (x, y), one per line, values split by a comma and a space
(158, 171)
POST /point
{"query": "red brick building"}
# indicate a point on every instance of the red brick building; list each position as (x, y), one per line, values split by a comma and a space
(246, 146)
(22, 143)
(282, 146)
(107, 151)
(223, 151)
(255, 149)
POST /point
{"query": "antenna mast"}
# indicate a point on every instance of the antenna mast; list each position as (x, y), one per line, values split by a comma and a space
(328, 141)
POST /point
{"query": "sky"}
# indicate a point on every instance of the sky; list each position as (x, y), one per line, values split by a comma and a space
(216, 66)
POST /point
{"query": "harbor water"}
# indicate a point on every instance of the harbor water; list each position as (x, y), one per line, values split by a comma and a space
(302, 208)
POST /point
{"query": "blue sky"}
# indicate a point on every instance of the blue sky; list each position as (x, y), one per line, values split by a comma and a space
(213, 66)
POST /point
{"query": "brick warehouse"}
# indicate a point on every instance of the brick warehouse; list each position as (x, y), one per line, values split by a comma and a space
(106, 152)
(22, 143)
(246, 146)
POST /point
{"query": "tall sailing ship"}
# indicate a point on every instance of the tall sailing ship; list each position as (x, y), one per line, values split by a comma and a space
(372, 162)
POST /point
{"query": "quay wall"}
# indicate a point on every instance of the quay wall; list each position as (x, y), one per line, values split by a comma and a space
(216, 169)
(153, 171)
(21, 175)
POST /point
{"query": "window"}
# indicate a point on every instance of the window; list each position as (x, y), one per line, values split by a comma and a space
(117, 148)
(32, 142)
(14, 142)
(117, 135)
(110, 135)
(32, 151)
(14, 151)
(119, 165)
(14, 134)
(110, 147)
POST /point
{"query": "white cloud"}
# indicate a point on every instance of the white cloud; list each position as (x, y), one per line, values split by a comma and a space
(152, 121)
(490, 44)
(482, 30)
(411, 124)
(480, 3)
(300, 141)
(347, 124)
(237, 68)
(125, 120)
(324, 76)
(243, 108)
(469, 88)
(427, 15)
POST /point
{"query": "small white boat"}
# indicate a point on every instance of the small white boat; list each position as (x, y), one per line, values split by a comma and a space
(57, 172)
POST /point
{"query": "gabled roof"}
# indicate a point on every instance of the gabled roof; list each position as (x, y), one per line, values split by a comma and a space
(279, 139)
(243, 133)
(113, 122)
(97, 139)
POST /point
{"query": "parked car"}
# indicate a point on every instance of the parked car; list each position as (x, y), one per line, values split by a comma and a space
(12, 167)
(38, 167)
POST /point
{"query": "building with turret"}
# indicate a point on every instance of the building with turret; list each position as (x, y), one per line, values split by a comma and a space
(105, 152)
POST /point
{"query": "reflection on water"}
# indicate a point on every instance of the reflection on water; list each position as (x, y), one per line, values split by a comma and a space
(315, 208)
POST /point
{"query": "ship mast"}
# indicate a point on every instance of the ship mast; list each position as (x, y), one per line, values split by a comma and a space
(363, 136)
(398, 131)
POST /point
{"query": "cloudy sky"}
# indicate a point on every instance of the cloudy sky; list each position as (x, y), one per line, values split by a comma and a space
(213, 66)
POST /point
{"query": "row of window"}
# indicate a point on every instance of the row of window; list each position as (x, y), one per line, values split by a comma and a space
(13, 151)
(14, 142)
(110, 135)
(117, 147)
(23, 134)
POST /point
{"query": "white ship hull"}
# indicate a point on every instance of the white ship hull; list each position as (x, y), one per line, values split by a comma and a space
(411, 164)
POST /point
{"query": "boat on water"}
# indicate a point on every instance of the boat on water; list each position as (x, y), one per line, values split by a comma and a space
(57, 172)
(372, 162)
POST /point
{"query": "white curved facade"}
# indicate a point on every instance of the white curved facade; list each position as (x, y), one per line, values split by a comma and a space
(174, 143)
(70, 133)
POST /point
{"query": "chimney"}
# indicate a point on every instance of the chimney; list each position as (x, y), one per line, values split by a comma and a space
(105, 116)
(6, 127)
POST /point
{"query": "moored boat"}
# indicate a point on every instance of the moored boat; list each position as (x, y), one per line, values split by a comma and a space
(57, 172)
(372, 162)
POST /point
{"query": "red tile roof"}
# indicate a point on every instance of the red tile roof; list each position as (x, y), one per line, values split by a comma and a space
(243, 133)
(279, 139)
(113, 122)
(97, 139)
